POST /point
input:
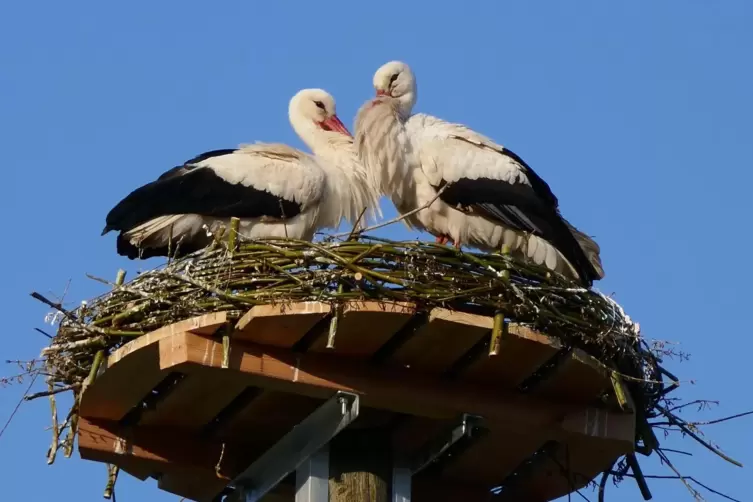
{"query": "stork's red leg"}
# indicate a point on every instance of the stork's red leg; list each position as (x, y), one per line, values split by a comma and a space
(442, 239)
(458, 245)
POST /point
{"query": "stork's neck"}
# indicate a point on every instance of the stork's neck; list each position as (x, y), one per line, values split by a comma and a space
(306, 129)
(406, 102)
(383, 144)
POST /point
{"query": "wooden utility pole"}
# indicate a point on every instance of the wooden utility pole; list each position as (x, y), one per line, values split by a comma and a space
(360, 466)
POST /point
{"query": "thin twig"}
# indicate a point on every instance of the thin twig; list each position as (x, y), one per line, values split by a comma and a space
(682, 478)
(355, 225)
(399, 218)
(679, 452)
(679, 423)
(99, 279)
(20, 401)
(43, 332)
(603, 482)
(724, 419)
(54, 305)
(51, 392)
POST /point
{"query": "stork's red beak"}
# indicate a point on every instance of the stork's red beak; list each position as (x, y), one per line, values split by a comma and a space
(381, 92)
(334, 124)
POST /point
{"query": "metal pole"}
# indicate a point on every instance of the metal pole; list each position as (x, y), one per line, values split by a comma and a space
(401, 484)
(312, 478)
(295, 448)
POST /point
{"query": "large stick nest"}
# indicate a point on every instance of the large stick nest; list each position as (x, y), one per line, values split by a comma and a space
(281, 271)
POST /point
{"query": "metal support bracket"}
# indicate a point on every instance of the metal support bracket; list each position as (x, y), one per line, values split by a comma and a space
(458, 436)
(295, 448)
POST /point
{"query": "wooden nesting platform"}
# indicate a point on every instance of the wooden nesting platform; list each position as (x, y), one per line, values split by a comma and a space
(169, 404)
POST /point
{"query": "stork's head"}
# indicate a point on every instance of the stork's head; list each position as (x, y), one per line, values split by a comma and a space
(395, 79)
(312, 111)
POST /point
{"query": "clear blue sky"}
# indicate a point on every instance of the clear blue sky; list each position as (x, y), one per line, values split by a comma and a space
(639, 116)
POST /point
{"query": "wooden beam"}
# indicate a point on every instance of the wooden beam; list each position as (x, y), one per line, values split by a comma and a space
(192, 485)
(213, 389)
(442, 340)
(521, 352)
(279, 325)
(396, 389)
(365, 326)
(563, 469)
(579, 379)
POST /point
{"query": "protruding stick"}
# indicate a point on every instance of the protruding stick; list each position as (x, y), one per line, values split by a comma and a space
(620, 390)
(226, 350)
(112, 477)
(334, 321)
(636, 468)
(55, 429)
(232, 237)
(497, 331)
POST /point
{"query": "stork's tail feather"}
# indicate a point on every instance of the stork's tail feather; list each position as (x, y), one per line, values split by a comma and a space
(172, 235)
(144, 251)
(590, 248)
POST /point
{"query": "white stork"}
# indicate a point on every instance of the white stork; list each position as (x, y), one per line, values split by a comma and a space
(275, 190)
(492, 199)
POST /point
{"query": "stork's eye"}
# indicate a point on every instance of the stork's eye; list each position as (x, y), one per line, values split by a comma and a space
(319, 104)
(393, 78)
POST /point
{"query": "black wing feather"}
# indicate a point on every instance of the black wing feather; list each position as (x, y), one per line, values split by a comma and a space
(539, 186)
(191, 163)
(198, 191)
(528, 208)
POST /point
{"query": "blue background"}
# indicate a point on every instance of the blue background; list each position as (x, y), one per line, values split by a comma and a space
(638, 115)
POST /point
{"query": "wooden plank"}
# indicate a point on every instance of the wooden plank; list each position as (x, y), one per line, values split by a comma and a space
(442, 340)
(184, 464)
(396, 389)
(123, 385)
(275, 413)
(522, 351)
(204, 488)
(111, 396)
(432, 489)
(579, 379)
(206, 324)
(569, 468)
(367, 325)
(488, 461)
(192, 485)
(279, 325)
(158, 448)
(197, 400)
(413, 433)
(590, 422)
(135, 469)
